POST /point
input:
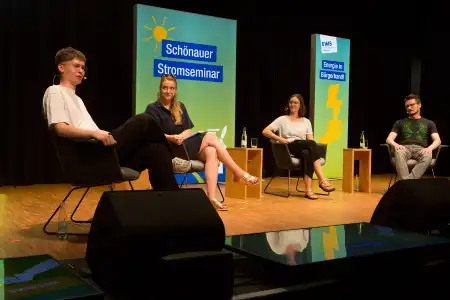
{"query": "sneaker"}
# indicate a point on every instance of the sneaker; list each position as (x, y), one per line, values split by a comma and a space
(180, 165)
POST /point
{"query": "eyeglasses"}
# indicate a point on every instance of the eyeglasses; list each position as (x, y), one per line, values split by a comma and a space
(169, 75)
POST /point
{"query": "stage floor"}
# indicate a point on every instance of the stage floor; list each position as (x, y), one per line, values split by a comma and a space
(25, 209)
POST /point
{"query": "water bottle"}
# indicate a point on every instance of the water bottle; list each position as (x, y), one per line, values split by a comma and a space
(244, 138)
(357, 183)
(362, 140)
(62, 232)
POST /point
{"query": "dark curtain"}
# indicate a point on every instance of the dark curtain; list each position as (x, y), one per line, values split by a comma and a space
(435, 83)
(272, 63)
(34, 31)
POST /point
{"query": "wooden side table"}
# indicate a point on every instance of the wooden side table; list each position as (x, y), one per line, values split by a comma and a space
(250, 160)
(365, 169)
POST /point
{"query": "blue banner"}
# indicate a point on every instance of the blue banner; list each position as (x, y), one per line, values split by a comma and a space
(190, 51)
(331, 75)
(189, 71)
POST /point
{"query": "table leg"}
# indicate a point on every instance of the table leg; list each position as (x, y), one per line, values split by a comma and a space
(365, 172)
(348, 183)
(236, 189)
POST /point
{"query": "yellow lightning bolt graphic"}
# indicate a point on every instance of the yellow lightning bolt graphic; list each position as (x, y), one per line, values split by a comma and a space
(334, 129)
(330, 242)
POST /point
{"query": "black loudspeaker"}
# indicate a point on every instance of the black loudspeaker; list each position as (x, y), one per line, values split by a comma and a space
(418, 205)
(142, 242)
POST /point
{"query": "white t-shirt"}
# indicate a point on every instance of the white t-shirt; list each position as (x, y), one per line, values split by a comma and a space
(279, 241)
(293, 130)
(62, 105)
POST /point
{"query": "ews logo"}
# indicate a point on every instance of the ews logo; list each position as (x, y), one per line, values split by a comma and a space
(328, 44)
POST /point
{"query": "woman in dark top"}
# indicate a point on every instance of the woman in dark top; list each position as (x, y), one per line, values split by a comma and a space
(175, 122)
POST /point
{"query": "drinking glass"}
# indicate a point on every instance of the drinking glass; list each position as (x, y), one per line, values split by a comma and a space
(254, 143)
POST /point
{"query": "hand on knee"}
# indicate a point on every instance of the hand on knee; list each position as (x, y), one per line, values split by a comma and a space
(400, 154)
(399, 151)
(427, 159)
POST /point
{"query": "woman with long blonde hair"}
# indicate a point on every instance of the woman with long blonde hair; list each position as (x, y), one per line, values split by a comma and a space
(175, 122)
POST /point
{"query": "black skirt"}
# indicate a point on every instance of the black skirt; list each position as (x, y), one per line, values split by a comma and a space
(193, 145)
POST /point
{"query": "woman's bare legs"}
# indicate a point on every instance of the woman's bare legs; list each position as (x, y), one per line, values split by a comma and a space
(323, 182)
(210, 140)
(308, 182)
(209, 155)
(318, 171)
(309, 193)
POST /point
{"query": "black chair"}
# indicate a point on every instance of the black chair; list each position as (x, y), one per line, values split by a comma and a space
(181, 152)
(411, 162)
(285, 161)
(87, 163)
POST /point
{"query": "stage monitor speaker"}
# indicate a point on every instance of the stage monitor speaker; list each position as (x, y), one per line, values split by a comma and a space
(132, 232)
(417, 205)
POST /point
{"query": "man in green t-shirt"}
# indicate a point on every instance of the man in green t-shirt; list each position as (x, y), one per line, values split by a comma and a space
(414, 134)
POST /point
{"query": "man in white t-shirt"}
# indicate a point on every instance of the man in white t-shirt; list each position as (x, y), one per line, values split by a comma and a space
(140, 142)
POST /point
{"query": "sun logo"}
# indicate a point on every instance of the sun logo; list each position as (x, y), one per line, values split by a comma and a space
(159, 32)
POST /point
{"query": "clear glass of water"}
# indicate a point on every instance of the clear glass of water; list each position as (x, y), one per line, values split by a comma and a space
(254, 142)
(366, 144)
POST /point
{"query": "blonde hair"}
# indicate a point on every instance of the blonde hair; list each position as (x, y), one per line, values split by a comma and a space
(175, 106)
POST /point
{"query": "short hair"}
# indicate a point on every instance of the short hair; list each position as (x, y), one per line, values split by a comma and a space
(302, 110)
(413, 96)
(67, 54)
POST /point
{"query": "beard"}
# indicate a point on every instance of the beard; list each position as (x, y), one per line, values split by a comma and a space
(413, 113)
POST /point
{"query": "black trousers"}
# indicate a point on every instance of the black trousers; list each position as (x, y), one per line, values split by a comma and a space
(306, 150)
(141, 145)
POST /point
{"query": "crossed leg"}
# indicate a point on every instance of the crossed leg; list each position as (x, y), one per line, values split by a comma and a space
(212, 150)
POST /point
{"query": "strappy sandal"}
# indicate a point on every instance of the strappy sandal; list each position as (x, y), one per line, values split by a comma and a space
(326, 186)
(310, 194)
(219, 205)
(249, 179)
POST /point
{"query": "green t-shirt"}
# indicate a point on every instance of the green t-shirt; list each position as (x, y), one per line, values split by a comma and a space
(414, 131)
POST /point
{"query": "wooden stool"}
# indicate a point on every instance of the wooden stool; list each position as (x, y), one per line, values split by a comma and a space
(365, 169)
(250, 160)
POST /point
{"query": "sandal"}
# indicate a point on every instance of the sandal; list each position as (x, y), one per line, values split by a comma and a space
(249, 179)
(310, 195)
(326, 186)
(219, 205)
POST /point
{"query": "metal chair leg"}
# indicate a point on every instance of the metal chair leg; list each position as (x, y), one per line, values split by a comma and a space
(221, 194)
(289, 183)
(76, 208)
(184, 180)
(268, 183)
(54, 213)
(131, 185)
(390, 179)
(272, 193)
(432, 170)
